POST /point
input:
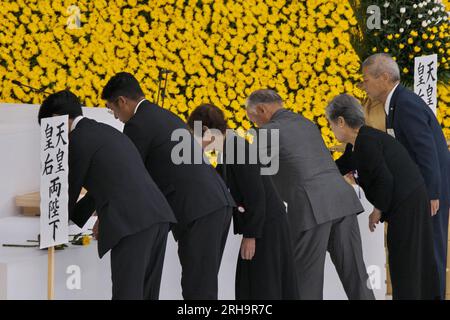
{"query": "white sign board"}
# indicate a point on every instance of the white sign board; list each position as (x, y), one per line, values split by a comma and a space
(54, 181)
(425, 79)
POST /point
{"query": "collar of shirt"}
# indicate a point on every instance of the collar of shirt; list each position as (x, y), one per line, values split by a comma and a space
(137, 106)
(388, 99)
(75, 122)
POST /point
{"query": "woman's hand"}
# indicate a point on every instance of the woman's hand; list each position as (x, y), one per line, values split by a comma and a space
(374, 219)
(248, 246)
(350, 179)
(95, 230)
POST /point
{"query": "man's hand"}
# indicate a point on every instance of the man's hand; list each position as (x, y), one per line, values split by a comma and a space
(374, 219)
(248, 246)
(434, 207)
(95, 230)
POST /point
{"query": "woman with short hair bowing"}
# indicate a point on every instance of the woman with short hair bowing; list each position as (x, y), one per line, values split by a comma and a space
(393, 184)
(265, 268)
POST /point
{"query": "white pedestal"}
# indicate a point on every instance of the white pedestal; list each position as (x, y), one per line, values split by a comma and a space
(23, 271)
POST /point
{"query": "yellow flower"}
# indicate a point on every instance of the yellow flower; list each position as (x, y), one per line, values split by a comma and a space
(85, 240)
(405, 70)
(219, 51)
(417, 49)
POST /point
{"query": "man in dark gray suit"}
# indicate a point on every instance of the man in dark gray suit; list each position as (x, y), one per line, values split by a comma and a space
(322, 207)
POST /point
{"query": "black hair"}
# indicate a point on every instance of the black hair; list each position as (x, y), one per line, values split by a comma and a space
(210, 116)
(122, 84)
(60, 103)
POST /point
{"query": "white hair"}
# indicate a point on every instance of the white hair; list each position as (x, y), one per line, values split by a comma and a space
(380, 63)
(263, 96)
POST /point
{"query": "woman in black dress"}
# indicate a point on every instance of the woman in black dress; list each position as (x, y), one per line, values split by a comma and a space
(393, 184)
(265, 267)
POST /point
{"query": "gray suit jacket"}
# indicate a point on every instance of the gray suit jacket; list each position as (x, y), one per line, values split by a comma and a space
(308, 179)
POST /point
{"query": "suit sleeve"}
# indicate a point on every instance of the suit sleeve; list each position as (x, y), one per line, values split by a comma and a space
(413, 122)
(139, 138)
(378, 179)
(251, 187)
(78, 168)
(345, 162)
(83, 210)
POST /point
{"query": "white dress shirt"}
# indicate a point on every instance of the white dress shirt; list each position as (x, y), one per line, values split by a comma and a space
(388, 99)
(75, 122)
(137, 106)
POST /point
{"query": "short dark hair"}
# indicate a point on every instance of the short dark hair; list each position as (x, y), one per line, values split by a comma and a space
(210, 116)
(60, 103)
(122, 84)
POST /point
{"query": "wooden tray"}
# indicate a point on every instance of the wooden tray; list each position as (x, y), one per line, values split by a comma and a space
(30, 203)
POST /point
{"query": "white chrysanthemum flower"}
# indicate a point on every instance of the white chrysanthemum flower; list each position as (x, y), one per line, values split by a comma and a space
(385, 21)
(386, 4)
(408, 22)
(402, 10)
(419, 16)
(401, 30)
(424, 24)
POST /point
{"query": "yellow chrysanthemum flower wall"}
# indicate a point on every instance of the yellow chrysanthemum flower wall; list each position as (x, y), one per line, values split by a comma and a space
(219, 52)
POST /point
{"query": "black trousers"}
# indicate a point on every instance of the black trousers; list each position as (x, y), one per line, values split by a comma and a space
(200, 248)
(411, 252)
(137, 263)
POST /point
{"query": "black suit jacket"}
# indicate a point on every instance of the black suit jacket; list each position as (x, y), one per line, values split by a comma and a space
(417, 128)
(385, 170)
(192, 190)
(106, 163)
(251, 190)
